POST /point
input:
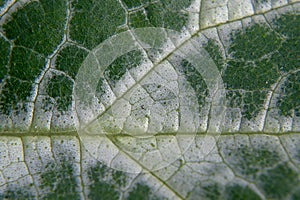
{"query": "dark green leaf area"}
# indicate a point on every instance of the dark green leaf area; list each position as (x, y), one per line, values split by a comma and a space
(135, 3)
(250, 76)
(214, 51)
(4, 52)
(106, 183)
(230, 191)
(248, 161)
(138, 19)
(250, 70)
(2, 2)
(103, 190)
(289, 101)
(264, 167)
(253, 42)
(38, 25)
(19, 193)
(253, 103)
(114, 72)
(296, 194)
(279, 182)
(60, 180)
(288, 25)
(195, 80)
(165, 13)
(101, 187)
(100, 89)
(69, 60)
(168, 4)
(211, 191)
(258, 57)
(141, 191)
(26, 64)
(234, 192)
(288, 56)
(175, 4)
(95, 21)
(14, 94)
(60, 88)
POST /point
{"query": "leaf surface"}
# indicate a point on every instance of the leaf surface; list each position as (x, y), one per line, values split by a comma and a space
(149, 99)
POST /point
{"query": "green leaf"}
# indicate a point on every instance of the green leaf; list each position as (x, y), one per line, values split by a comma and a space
(144, 99)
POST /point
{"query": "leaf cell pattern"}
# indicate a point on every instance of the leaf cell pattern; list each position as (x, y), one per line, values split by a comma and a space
(156, 112)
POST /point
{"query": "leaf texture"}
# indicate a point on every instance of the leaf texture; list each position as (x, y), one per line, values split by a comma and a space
(141, 99)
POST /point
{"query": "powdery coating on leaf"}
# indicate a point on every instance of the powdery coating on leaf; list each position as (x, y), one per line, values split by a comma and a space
(239, 166)
(257, 169)
(144, 120)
